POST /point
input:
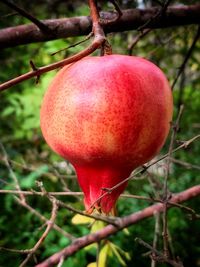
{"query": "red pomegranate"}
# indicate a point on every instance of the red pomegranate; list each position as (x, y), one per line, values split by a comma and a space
(107, 115)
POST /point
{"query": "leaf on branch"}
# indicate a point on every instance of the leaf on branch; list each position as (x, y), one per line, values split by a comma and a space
(103, 255)
(81, 219)
(105, 252)
(120, 254)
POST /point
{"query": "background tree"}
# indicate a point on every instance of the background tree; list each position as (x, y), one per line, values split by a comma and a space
(167, 33)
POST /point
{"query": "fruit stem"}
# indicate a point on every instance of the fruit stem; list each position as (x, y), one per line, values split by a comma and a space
(106, 48)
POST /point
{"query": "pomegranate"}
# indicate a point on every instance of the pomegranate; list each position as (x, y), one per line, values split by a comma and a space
(107, 115)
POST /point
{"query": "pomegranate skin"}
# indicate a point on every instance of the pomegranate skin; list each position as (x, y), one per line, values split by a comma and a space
(107, 115)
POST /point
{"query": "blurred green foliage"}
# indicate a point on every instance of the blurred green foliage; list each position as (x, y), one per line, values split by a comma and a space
(32, 160)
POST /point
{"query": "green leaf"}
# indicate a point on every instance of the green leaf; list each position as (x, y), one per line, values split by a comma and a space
(29, 180)
(8, 111)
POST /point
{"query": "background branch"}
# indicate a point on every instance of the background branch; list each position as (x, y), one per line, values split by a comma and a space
(131, 19)
(187, 57)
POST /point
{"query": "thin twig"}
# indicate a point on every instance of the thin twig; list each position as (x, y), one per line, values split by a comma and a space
(187, 57)
(43, 27)
(22, 200)
(44, 219)
(37, 193)
(166, 195)
(181, 90)
(187, 165)
(49, 223)
(19, 251)
(160, 13)
(117, 8)
(105, 22)
(159, 256)
(156, 237)
(74, 45)
(170, 203)
(171, 38)
(12, 174)
(99, 217)
(137, 39)
(32, 168)
(156, 185)
(44, 235)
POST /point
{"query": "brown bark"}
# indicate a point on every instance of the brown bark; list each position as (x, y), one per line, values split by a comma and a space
(77, 26)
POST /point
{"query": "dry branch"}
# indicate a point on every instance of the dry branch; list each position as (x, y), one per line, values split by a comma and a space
(131, 19)
(44, 219)
(158, 256)
(44, 235)
(123, 223)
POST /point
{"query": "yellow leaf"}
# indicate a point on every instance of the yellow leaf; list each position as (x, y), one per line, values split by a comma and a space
(103, 256)
(97, 225)
(81, 219)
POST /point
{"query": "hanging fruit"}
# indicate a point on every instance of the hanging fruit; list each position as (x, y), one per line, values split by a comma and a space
(107, 115)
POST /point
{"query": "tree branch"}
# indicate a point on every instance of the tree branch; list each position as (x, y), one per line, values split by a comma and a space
(99, 40)
(131, 19)
(123, 223)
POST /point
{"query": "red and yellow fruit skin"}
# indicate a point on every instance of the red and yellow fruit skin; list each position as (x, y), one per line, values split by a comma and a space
(107, 115)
